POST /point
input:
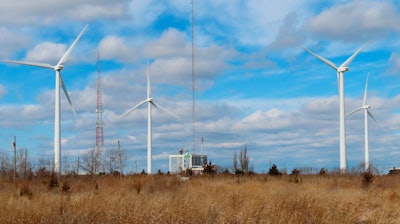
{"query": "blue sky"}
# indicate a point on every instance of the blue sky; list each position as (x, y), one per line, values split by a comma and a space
(255, 85)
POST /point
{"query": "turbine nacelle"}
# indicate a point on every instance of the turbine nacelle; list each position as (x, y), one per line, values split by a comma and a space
(367, 107)
(342, 69)
(58, 67)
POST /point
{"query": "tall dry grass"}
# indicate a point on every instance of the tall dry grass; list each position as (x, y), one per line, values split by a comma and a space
(204, 199)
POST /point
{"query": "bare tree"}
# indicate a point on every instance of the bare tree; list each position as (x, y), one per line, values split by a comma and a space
(111, 160)
(7, 169)
(88, 163)
(115, 159)
(23, 162)
(45, 163)
(244, 160)
(235, 163)
(241, 164)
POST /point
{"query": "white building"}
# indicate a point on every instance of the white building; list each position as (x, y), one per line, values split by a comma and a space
(182, 162)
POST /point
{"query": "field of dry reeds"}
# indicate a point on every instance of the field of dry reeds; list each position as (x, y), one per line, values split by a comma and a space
(202, 199)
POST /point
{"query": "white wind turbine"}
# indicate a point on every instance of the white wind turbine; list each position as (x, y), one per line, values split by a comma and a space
(366, 108)
(149, 101)
(340, 73)
(58, 67)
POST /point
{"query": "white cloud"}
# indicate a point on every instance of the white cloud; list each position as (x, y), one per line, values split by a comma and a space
(356, 20)
(173, 62)
(393, 64)
(96, 9)
(171, 44)
(288, 35)
(47, 12)
(10, 41)
(144, 13)
(249, 23)
(114, 47)
(46, 52)
(3, 91)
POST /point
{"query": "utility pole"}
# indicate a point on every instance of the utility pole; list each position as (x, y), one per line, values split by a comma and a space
(202, 160)
(77, 167)
(119, 160)
(14, 144)
(25, 161)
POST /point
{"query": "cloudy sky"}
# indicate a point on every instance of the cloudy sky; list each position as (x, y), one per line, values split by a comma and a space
(255, 86)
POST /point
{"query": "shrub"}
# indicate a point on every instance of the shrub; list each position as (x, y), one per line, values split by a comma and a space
(138, 186)
(42, 173)
(367, 178)
(189, 172)
(274, 171)
(65, 187)
(295, 172)
(53, 182)
(295, 176)
(226, 172)
(210, 169)
(25, 190)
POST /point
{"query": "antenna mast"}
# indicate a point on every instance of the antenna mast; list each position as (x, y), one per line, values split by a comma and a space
(99, 112)
(202, 142)
(193, 81)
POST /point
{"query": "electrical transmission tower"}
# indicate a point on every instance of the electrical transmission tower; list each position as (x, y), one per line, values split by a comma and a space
(99, 122)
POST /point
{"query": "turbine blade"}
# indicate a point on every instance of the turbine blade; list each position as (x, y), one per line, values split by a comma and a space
(36, 64)
(68, 52)
(379, 123)
(360, 108)
(66, 94)
(148, 81)
(365, 91)
(162, 108)
(326, 61)
(348, 61)
(133, 108)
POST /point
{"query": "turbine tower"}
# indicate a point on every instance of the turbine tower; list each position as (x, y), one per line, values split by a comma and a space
(99, 120)
(340, 73)
(58, 67)
(366, 108)
(150, 101)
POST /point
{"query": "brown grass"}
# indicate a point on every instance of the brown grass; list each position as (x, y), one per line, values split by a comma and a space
(205, 199)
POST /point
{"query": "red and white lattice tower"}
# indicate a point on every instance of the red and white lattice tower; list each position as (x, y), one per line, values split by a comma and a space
(99, 121)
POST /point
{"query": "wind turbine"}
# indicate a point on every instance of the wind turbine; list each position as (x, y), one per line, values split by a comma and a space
(58, 67)
(366, 108)
(150, 101)
(340, 73)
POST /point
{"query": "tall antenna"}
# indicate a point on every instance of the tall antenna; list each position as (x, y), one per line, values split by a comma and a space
(202, 142)
(99, 112)
(193, 81)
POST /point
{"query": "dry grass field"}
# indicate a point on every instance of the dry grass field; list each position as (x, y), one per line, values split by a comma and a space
(203, 199)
